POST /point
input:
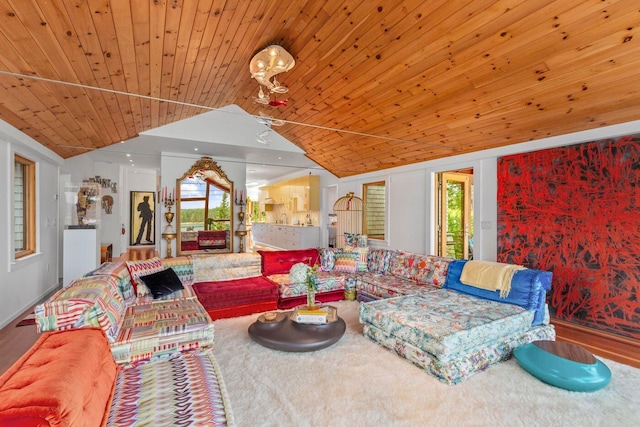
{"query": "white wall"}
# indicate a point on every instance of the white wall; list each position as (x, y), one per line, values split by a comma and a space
(111, 224)
(136, 179)
(411, 201)
(26, 281)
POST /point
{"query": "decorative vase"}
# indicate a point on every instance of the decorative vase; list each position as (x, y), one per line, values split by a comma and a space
(311, 298)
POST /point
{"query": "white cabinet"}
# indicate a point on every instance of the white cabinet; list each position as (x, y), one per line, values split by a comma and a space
(81, 253)
(286, 236)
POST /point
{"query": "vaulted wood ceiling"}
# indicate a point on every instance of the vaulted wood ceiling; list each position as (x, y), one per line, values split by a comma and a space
(376, 84)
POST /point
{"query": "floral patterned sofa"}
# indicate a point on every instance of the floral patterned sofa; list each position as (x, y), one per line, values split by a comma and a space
(417, 306)
(420, 309)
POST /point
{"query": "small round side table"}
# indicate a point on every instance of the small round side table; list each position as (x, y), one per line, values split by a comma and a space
(169, 237)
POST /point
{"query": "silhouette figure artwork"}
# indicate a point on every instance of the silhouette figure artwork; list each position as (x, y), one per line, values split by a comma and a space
(146, 214)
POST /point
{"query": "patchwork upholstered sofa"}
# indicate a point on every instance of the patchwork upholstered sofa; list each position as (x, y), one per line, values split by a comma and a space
(138, 323)
(69, 378)
(142, 323)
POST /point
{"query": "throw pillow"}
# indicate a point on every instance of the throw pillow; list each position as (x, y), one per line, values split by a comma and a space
(378, 260)
(328, 258)
(346, 262)
(351, 239)
(298, 273)
(362, 257)
(162, 282)
(142, 268)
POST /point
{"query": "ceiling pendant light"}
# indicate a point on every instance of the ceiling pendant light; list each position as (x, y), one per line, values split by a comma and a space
(263, 137)
(262, 98)
(265, 65)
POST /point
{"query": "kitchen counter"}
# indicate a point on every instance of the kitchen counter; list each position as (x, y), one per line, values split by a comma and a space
(286, 236)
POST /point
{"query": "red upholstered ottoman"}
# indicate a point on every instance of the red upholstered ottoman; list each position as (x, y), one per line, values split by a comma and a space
(237, 297)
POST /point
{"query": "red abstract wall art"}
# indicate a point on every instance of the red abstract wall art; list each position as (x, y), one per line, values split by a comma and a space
(575, 211)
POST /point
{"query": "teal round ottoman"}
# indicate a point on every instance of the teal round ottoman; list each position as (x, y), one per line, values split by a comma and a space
(563, 365)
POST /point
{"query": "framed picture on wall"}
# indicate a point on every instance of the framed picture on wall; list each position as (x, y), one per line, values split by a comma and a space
(142, 218)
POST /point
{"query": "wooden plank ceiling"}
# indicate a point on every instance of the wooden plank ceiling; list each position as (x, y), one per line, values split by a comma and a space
(376, 84)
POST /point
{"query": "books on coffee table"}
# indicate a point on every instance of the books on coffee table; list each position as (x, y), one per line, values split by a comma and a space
(319, 315)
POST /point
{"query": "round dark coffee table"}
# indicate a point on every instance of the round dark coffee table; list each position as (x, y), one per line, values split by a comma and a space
(284, 334)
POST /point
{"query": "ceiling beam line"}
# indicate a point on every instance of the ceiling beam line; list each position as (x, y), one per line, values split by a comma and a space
(204, 107)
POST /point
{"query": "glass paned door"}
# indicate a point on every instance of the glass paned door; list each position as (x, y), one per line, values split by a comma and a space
(455, 215)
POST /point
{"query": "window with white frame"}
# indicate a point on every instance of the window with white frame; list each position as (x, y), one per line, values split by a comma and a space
(24, 206)
(374, 209)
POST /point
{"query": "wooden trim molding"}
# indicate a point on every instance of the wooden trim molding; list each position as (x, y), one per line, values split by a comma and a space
(604, 344)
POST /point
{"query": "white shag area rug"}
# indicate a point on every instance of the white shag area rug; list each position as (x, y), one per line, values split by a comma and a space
(357, 383)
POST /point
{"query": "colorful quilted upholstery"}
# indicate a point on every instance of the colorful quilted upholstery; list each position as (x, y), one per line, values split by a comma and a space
(378, 260)
(120, 272)
(186, 293)
(465, 364)
(422, 269)
(346, 262)
(92, 301)
(328, 258)
(362, 253)
(187, 390)
(183, 266)
(377, 286)
(445, 323)
(528, 289)
(162, 329)
(245, 292)
(212, 268)
(326, 282)
(142, 268)
(280, 262)
(65, 379)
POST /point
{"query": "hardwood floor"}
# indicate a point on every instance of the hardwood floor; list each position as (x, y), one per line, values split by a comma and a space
(15, 341)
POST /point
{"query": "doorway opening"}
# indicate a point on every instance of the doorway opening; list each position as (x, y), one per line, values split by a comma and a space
(455, 214)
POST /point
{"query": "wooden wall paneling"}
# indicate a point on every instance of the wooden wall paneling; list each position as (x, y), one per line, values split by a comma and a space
(368, 73)
(251, 29)
(157, 20)
(103, 21)
(140, 22)
(206, 23)
(229, 22)
(241, 49)
(42, 66)
(13, 101)
(86, 34)
(174, 51)
(122, 24)
(219, 23)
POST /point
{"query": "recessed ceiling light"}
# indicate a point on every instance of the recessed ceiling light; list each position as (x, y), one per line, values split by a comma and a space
(279, 158)
(128, 155)
(195, 149)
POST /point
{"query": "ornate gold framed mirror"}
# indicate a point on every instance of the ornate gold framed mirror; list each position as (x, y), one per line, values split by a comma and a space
(204, 209)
